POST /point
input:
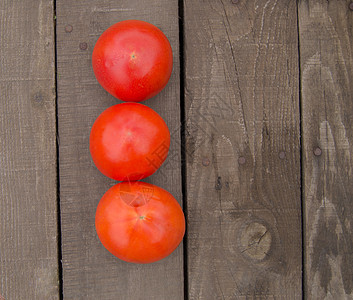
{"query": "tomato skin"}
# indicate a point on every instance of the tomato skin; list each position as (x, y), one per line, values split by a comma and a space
(132, 60)
(129, 141)
(139, 222)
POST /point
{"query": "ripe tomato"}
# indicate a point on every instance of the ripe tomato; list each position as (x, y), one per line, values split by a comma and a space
(139, 222)
(132, 60)
(129, 141)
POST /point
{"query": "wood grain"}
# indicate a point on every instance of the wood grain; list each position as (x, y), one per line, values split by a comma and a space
(90, 271)
(326, 43)
(28, 200)
(243, 150)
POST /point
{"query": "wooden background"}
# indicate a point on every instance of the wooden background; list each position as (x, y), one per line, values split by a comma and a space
(260, 108)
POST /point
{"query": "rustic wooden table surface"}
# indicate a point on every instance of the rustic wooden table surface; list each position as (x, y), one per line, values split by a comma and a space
(260, 108)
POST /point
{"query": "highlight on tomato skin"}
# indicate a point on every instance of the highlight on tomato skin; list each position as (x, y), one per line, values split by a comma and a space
(139, 222)
(129, 141)
(132, 60)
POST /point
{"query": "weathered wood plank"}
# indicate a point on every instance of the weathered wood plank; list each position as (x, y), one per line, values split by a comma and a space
(90, 271)
(242, 144)
(326, 43)
(28, 200)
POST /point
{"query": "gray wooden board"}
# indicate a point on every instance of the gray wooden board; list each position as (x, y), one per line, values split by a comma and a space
(243, 149)
(90, 271)
(28, 200)
(326, 43)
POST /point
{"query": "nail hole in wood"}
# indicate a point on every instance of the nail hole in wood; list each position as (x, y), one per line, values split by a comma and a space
(68, 28)
(83, 46)
(317, 151)
(205, 162)
(38, 98)
(218, 185)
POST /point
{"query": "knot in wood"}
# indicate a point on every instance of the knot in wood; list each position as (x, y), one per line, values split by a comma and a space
(255, 241)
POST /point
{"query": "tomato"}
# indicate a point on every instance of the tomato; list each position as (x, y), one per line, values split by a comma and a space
(132, 60)
(129, 141)
(139, 222)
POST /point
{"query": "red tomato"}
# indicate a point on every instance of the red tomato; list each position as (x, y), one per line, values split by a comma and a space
(132, 60)
(129, 141)
(139, 222)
